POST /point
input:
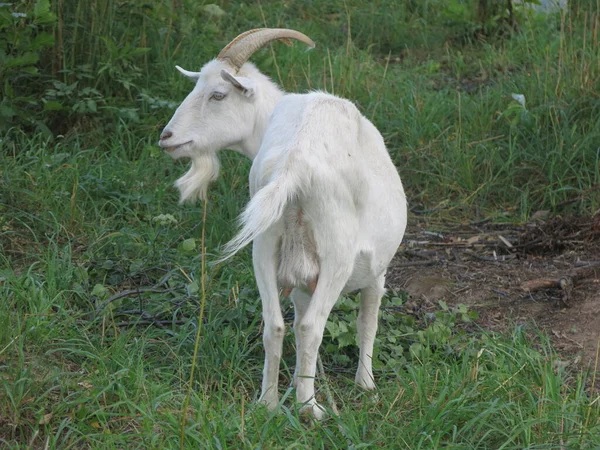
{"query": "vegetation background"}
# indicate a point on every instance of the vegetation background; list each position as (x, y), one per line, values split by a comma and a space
(99, 265)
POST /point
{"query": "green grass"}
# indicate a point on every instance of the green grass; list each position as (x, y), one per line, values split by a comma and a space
(87, 210)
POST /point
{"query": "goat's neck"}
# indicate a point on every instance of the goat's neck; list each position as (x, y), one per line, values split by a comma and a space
(265, 106)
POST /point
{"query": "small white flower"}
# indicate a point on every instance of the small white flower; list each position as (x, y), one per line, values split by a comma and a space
(519, 98)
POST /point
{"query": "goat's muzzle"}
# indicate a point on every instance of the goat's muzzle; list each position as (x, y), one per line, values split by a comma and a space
(170, 148)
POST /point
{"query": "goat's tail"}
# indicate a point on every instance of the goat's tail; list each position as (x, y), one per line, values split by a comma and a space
(263, 210)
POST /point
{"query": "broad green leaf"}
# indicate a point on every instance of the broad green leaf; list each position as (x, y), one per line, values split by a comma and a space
(42, 12)
(100, 290)
(25, 59)
(193, 288)
(188, 245)
(6, 110)
(43, 128)
(139, 51)
(41, 41)
(53, 105)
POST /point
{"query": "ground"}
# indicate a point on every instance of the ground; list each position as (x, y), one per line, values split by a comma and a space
(510, 274)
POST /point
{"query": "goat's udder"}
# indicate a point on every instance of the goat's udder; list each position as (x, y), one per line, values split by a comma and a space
(311, 286)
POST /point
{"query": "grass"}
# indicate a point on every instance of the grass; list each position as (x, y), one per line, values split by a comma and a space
(92, 212)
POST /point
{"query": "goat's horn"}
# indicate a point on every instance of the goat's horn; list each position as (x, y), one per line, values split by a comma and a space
(242, 47)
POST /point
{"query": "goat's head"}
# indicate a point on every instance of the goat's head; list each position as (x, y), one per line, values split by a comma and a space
(223, 109)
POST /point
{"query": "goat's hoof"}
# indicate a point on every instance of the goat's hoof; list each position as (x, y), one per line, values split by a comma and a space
(269, 401)
(365, 381)
(312, 410)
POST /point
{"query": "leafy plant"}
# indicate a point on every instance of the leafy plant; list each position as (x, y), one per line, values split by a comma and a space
(25, 33)
(119, 70)
(482, 18)
(401, 337)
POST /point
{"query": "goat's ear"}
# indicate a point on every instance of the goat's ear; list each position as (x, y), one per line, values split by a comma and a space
(243, 84)
(191, 75)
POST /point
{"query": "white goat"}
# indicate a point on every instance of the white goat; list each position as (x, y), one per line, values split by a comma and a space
(327, 212)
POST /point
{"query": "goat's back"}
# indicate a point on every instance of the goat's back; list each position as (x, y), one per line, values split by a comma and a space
(326, 136)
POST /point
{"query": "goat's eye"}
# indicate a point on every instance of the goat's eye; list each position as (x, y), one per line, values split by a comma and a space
(217, 96)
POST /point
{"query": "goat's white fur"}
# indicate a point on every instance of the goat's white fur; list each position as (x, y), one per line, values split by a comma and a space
(327, 212)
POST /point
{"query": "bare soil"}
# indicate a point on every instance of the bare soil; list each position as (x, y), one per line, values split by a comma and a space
(545, 273)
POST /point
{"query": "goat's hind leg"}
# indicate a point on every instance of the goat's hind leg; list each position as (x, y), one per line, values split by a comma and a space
(301, 300)
(309, 332)
(370, 301)
(265, 269)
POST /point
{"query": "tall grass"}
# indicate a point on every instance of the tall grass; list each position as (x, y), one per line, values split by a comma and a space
(444, 105)
(87, 210)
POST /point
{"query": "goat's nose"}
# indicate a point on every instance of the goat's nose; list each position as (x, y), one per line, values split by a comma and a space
(166, 135)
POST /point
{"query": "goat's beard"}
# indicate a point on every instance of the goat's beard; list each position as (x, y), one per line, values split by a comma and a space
(194, 184)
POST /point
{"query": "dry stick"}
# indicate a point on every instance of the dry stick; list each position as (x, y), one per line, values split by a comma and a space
(330, 398)
(262, 13)
(498, 258)
(331, 75)
(420, 263)
(459, 244)
(186, 402)
(128, 292)
(168, 36)
(422, 254)
(574, 276)
(158, 323)
(9, 344)
(587, 263)
(505, 241)
(31, 441)
(580, 196)
(385, 70)
(544, 283)
(589, 281)
(328, 393)
(469, 144)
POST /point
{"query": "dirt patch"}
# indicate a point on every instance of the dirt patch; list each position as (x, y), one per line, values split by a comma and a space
(546, 273)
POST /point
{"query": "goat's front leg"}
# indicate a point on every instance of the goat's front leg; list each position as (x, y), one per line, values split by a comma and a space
(370, 300)
(309, 334)
(264, 259)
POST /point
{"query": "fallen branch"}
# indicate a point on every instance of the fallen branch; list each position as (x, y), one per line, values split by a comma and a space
(157, 288)
(159, 323)
(587, 263)
(481, 244)
(579, 275)
(505, 241)
(129, 292)
(589, 281)
(423, 254)
(545, 283)
(420, 263)
(497, 258)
